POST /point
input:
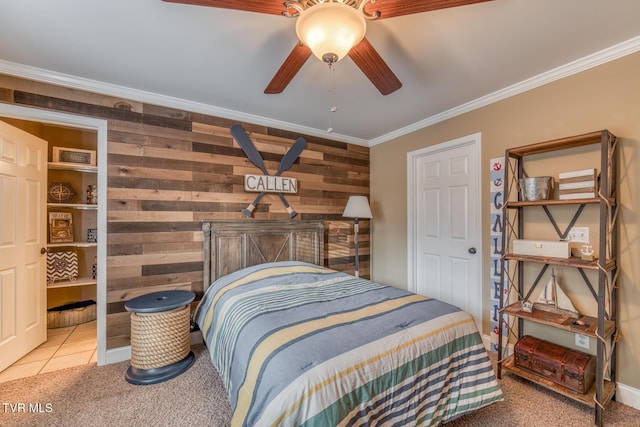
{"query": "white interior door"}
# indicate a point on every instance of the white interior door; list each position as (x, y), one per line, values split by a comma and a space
(445, 213)
(23, 228)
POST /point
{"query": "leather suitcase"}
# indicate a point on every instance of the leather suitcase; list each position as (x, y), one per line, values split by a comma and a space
(569, 368)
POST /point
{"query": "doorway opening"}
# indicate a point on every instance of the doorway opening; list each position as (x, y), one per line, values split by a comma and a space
(82, 341)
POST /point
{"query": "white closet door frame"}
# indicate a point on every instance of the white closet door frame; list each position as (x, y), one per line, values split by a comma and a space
(100, 126)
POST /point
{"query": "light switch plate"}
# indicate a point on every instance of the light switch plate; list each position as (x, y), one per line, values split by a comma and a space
(579, 234)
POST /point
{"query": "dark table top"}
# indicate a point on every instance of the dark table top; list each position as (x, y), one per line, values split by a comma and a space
(157, 302)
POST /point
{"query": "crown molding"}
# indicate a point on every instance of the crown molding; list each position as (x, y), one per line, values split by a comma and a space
(80, 83)
(606, 55)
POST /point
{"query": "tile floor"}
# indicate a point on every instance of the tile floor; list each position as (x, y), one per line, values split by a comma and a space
(64, 348)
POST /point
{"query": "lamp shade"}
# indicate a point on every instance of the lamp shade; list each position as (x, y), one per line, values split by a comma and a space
(331, 29)
(357, 207)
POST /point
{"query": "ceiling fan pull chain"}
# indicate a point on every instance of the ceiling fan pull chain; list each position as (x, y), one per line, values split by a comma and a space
(332, 104)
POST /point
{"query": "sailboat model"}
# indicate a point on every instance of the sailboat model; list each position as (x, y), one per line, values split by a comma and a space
(553, 299)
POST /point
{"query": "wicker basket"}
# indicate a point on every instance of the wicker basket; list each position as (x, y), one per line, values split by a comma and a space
(75, 314)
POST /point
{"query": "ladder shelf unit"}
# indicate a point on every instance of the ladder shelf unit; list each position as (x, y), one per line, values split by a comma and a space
(600, 325)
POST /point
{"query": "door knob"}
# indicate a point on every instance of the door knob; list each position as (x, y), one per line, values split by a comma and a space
(43, 251)
(472, 251)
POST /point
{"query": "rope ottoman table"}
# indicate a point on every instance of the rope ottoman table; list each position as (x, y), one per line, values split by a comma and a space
(160, 336)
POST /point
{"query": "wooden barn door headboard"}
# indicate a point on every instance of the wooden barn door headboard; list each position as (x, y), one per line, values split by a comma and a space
(232, 245)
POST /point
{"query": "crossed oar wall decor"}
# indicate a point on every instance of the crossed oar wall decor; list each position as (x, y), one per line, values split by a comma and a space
(254, 157)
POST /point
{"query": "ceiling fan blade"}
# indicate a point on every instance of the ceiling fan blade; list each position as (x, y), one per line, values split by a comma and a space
(272, 7)
(373, 66)
(288, 69)
(391, 8)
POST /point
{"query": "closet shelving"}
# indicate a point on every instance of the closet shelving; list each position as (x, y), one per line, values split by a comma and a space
(85, 216)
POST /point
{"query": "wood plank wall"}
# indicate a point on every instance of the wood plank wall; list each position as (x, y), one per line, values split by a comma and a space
(170, 169)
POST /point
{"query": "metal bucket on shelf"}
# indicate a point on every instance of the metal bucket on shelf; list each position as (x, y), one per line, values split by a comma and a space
(535, 188)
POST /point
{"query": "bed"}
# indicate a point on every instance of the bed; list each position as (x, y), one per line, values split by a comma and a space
(297, 343)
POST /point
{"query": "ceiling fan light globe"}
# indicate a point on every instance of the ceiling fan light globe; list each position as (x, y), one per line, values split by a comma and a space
(331, 28)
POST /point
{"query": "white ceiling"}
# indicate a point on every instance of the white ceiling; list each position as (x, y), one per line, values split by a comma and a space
(219, 61)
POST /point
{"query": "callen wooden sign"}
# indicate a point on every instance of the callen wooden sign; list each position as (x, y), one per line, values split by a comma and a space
(270, 184)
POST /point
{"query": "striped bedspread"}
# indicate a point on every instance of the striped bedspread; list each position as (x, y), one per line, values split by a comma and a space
(298, 344)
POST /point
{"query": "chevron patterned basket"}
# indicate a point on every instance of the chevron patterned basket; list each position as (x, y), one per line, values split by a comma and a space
(61, 266)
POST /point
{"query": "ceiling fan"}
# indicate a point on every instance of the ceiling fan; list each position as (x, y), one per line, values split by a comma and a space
(332, 29)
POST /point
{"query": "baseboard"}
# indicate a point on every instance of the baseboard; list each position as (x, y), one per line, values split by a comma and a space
(486, 340)
(625, 394)
(628, 395)
(196, 337)
(120, 354)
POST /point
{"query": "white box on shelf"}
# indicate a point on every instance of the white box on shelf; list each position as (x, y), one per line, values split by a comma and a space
(582, 184)
(544, 248)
